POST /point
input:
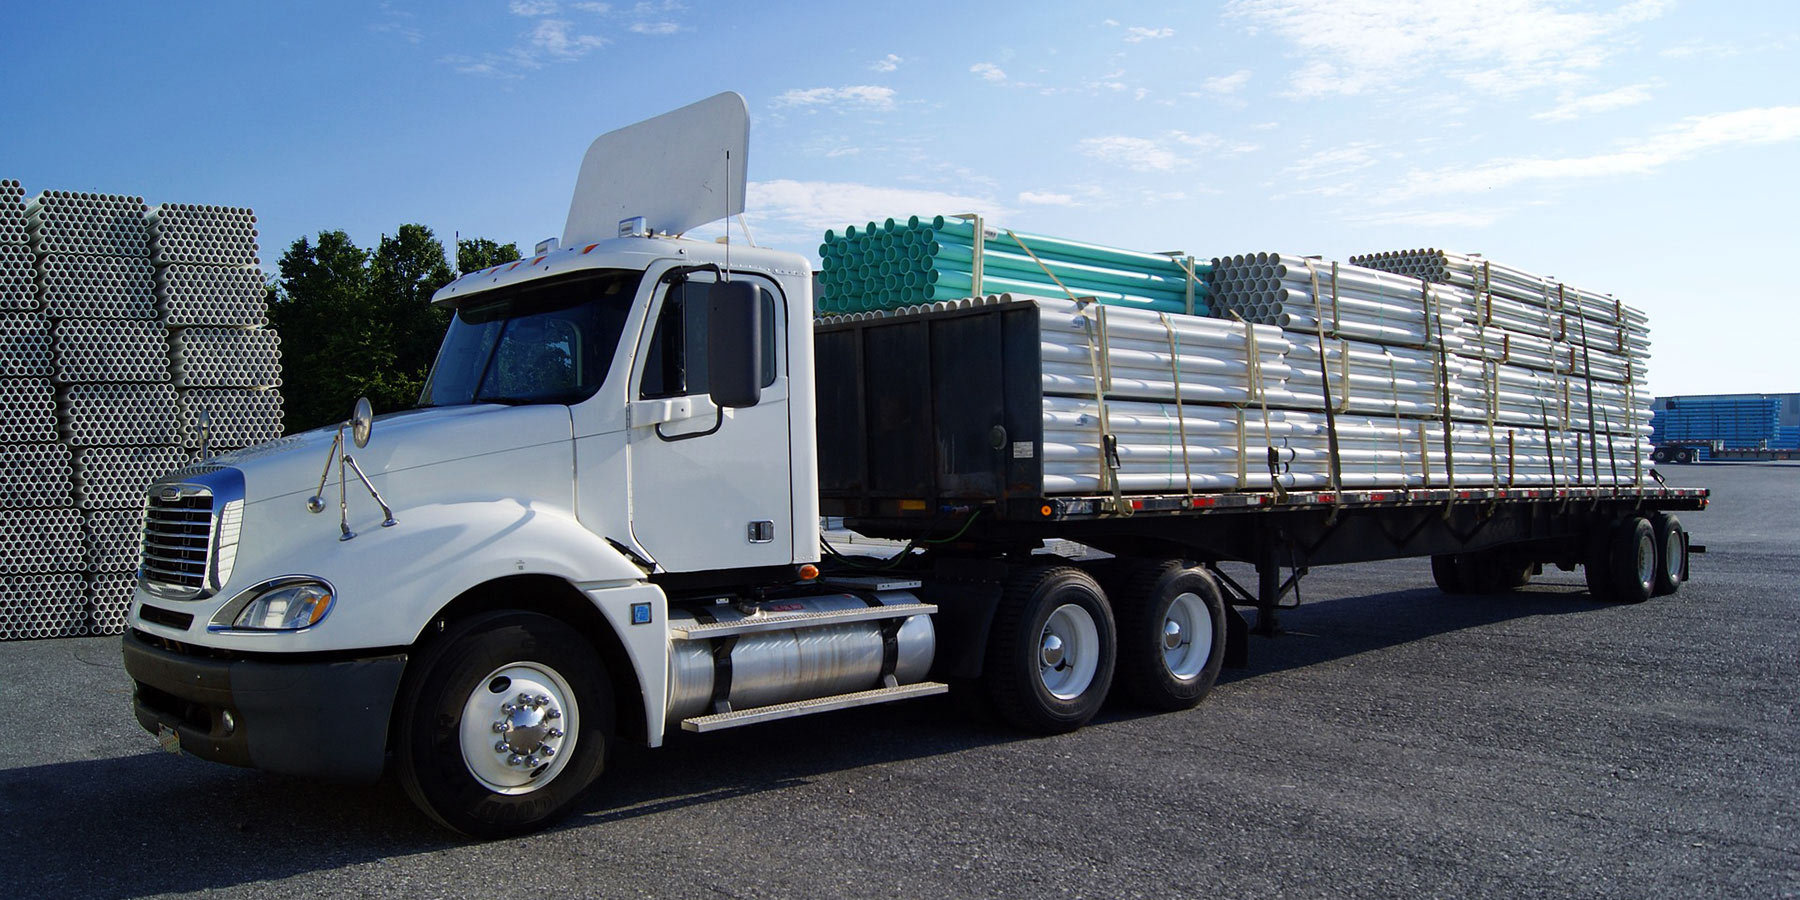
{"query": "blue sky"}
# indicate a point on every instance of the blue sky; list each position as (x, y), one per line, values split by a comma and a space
(1650, 148)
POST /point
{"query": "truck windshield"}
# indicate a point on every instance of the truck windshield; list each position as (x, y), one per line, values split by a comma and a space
(538, 342)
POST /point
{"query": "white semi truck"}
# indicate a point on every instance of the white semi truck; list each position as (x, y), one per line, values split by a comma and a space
(602, 523)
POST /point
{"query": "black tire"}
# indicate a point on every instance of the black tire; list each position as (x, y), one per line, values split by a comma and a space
(1659, 455)
(1015, 673)
(1480, 572)
(1621, 565)
(1447, 571)
(1687, 455)
(1671, 553)
(461, 670)
(1149, 597)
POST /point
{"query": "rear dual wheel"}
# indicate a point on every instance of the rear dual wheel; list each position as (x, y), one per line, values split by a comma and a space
(1479, 572)
(1622, 562)
(1171, 620)
(1051, 650)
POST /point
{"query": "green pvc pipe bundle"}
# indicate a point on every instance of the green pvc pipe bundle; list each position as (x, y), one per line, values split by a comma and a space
(893, 264)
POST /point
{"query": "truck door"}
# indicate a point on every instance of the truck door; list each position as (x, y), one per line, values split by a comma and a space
(710, 487)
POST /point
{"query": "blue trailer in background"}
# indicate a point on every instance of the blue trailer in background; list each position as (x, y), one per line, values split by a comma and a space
(1725, 427)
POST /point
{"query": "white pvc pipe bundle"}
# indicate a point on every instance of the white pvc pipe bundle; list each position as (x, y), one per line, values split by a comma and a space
(225, 358)
(77, 222)
(211, 295)
(240, 418)
(12, 213)
(18, 277)
(110, 350)
(24, 346)
(44, 605)
(209, 235)
(27, 411)
(97, 287)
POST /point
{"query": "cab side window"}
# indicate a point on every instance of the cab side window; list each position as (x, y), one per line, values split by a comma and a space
(676, 364)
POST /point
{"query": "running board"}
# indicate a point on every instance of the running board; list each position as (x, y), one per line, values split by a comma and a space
(735, 718)
(780, 622)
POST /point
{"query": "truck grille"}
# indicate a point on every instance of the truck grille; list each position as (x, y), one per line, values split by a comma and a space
(177, 541)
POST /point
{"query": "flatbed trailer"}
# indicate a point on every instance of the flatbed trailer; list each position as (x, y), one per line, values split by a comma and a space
(900, 397)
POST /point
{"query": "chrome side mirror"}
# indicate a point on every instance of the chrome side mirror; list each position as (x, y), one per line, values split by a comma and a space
(362, 422)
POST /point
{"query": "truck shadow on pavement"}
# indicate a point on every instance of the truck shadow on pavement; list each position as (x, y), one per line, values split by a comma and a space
(149, 823)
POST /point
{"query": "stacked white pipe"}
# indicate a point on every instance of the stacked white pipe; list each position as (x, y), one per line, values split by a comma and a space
(1549, 352)
(118, 324)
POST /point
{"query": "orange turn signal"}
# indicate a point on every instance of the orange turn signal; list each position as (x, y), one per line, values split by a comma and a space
(808, 572)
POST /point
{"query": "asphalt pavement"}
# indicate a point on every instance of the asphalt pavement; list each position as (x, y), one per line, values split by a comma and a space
(1395, 742)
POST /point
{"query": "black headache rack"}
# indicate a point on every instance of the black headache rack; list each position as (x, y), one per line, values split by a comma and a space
(930, 424)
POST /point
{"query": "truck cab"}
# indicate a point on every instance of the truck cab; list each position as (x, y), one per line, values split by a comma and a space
(480, 589)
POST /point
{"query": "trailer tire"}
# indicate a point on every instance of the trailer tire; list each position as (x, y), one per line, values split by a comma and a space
(1051, 650)
(1658, 454)
(460, 692)
(1447, 571)
(1622, 562)
(1479, 572)
(1161, 601)
(1671, 553)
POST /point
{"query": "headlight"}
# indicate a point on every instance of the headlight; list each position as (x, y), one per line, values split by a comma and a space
(283, 605)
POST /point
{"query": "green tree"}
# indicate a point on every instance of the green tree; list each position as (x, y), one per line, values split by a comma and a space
(406, 270)
(473, 254)
(321, 309)
(359, 323)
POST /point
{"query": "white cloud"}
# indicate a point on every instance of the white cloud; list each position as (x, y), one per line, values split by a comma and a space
(855, 96)
(1423, 218)
(1136, 34)
(1110, 23)
(1174, 150)
(557, 39)
(1137, 153)
(1222, 85)
(656, 28)
(532, 7)
(804, 209)
(1046, 198)
(1335, 162)
(988, 71)
(1497, 47)
(1685, 140)
(595, 8)
(1573, 108)
(887, 63)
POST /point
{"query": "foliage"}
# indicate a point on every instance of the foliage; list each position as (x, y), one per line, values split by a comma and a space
(356, 323)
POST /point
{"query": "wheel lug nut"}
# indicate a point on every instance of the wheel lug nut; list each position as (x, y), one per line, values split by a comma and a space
(524, 699)
(555, 733)
(501, 747)
(508, 708)
(514, 759)
(531, 762)
(546, 751)
(542, 700)
(554, 713)
(499, 726)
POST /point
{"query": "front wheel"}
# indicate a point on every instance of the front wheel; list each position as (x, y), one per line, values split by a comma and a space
(502, 722)
(1051, 650)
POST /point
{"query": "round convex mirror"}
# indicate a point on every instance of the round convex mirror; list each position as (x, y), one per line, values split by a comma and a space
(362, 422)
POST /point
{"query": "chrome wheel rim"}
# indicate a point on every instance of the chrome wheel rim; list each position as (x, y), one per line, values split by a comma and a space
(1187, 637)
(1068, 652)
(1672, 555)
(519, 726)
(1646, 558)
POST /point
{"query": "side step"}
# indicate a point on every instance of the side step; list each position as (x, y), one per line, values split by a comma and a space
(782, 622)
(735, 718)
